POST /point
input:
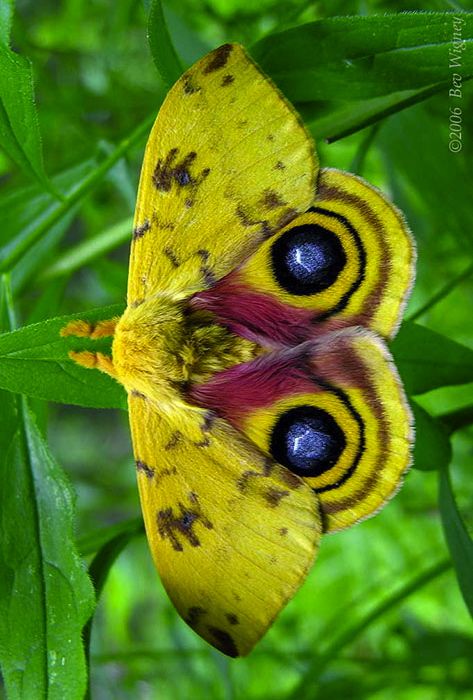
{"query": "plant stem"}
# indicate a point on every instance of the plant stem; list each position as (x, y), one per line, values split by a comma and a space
(442, 293)
(86, 186)
(360, 155)
(88, 250)
(457, 419)
(348, 636)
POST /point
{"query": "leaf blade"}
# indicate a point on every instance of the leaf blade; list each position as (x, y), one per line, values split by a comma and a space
(458, 540)
(34, 361)
(428, 360)
(377, 64)
(162, 49)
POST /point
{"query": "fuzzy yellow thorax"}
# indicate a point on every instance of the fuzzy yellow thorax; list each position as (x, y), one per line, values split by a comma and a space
(160, 347)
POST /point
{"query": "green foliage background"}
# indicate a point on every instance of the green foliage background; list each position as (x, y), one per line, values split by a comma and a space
(386, 611)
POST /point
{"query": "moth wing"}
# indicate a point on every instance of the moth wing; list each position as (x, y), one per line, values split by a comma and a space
(227, 163)
(334, 409)
(232, 533)
(348, 261)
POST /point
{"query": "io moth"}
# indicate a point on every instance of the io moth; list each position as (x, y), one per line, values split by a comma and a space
(265, 408)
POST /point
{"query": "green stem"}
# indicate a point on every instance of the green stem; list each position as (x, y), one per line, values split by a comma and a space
(350, 634)
(14, 255)
(88, 250)
(358, 161)
(98, 571)
(442, 293)
(420, 95)
(10, 307)
(457, 419)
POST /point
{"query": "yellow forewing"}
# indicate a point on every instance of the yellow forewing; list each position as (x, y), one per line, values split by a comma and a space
(227, 163)
(232, 533)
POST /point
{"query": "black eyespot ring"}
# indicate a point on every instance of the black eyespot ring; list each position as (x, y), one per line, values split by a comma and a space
(307, 440)
(307, 259)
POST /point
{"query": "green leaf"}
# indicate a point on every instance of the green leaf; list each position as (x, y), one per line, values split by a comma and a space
(34, 361)
(332, 121)
(88, 250)
(96, 540)
(103, 561)
(427, 360)
(377, 64)
(22, 211)
(6, 19)
(45, 595)
(458, 418)
(432, 448)
(19, 126)
(162, 49)
(459, 541)
(12, 252)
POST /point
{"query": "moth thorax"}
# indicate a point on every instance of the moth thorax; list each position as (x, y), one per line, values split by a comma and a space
(145, 346)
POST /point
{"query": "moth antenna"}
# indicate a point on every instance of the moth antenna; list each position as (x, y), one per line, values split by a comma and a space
(90, 329)
(94, 360)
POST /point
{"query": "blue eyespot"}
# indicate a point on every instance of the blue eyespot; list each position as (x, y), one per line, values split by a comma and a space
(307, 440)
(307, 259)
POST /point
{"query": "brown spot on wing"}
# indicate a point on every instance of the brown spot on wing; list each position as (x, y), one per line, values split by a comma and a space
(273, 496)
(279, 165)
(168, 471)
(217, 59)
(194, 615)
(143, 467)
(170, 170)
(223, 641)
(204, 254)
(283, 531)
(232, 618)
(266, 470)
(286, 217)
(209, 420)
(272, 200)
(206, 271)
(246, 219)
(290, 479)
(139, 231)
(170, 254)
(227, 80)
(137, 394)
(190, 87)
(176, 527)
(210, 278)
(162, 225)
(173, 440)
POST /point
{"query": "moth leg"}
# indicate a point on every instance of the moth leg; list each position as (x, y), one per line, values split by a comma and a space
(90, 329)
(94, 360)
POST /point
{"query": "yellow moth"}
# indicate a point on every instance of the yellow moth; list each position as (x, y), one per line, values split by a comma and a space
(264, 405)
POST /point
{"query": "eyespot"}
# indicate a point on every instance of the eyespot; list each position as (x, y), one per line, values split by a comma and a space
(307, 440)
(307, 259)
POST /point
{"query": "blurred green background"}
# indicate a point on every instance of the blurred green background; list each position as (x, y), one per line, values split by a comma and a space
(381, 615)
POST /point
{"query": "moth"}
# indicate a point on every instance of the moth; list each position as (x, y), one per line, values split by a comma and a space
(265, 408)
